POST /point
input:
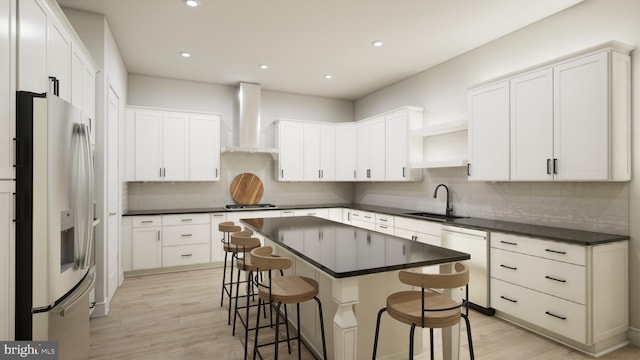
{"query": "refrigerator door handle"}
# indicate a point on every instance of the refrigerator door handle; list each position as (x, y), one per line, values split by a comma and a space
(68, 307)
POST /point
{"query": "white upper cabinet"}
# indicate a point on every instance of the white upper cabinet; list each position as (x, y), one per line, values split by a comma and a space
(402, 149)
(581, 126)
(59, 61)
(371, 149)
(489, 132)
(32, 46)
(532, 126)
(345, 152)
(172, 146)
(7, 88)
(289, 141)
(319, 152)
(569, 121)
(204, 147)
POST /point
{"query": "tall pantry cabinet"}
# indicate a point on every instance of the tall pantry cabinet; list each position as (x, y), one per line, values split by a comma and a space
(7, 175)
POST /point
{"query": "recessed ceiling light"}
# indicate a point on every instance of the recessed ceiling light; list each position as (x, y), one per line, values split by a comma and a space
(264, 66)
(377, 43)
(328, 76)
(192, 3)
(185, 54)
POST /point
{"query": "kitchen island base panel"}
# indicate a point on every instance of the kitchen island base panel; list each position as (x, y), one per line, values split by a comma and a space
(352, 305)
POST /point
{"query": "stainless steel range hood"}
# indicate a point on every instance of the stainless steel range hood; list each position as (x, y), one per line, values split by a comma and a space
(249, 121)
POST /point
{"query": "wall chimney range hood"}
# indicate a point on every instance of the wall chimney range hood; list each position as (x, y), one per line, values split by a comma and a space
(249, 122)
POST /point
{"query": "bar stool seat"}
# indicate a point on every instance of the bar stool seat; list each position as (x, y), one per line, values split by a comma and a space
(283, 290)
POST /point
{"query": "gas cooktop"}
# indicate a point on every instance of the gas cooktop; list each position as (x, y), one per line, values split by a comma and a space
(249, 206)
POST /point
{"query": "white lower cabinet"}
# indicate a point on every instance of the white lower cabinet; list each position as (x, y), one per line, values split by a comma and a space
(576, 294)
(427, 232)
(217, 251)
(146, 242)
(186, 239)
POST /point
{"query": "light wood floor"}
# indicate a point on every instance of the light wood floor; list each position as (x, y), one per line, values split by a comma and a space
(178, 316)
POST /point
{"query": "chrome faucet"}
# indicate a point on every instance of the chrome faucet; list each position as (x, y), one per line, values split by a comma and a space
(449, 209)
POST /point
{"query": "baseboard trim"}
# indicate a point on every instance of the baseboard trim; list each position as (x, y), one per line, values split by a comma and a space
(634, 336)
(101, 309)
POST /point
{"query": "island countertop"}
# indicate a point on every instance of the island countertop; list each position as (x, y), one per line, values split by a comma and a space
(343, 250)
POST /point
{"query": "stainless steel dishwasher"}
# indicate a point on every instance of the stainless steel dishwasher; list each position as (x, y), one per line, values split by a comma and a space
(473, 242)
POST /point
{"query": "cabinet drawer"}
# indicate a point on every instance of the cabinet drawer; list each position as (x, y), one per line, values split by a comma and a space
(322, 213)
(383, 219)
(554, 314)
(363, 216)
(555, 250)
(185, 254)
(185, 219)
(567, 281)
(423, 226)
(385, 229)
(146, 221)
(185, 235)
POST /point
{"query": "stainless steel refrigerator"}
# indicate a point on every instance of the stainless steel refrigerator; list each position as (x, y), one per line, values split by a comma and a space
(54, 224)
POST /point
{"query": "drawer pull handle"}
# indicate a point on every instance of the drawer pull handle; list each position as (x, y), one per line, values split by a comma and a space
(186, 235)
(383, 227)
(186, 220)
(367, 217)
(186, 255)
(556, 251)
(218, 215)
(508, 242)
(506, 298)
(555, 279)
(508, 267)
(383, 219)
(555, 316)
(146, 221)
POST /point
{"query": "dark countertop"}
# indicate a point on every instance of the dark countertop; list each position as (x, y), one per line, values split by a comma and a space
(343, 250)
(544, 232)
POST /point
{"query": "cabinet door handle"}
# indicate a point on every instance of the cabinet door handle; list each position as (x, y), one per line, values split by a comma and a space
(403, 172)
(218, 215)
(555, 166)
(555, 316)
(216, 172)
(549, 166)
(186, 235)
(555, 279)
(322, 174)
(158, 235)
(508, 243)
(468, 169)
(185, 220)
(146, 221)
(508, 267)
(556, 251)
(282, 173)
(186, 255)
(354, 174)
(506, 298)
(160, 172)
(368, 173)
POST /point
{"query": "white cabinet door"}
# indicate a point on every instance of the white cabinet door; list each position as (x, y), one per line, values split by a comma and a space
(147, 144)
(7, 88)
(32, 47)
(174, 146)
(204, 147)
(77, 79)
(397, 132)
(290, 151)
(311, 152)
(532, 126)
(489, 132)
(89, 103)
(371, 149)
(327, 153)
(59, 59)
(345, 154)
(581, 119)
(7, 234)
(146, 248)
(217, 252)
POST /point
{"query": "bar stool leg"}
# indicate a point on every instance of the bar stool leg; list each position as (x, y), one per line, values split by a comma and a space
(235, 308)
(324, 342)
(224, 278)
(255, 342)
(230, 291)
(411, 333)
(375, 339)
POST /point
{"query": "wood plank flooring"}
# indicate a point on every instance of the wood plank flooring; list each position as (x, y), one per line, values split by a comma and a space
(178, 316)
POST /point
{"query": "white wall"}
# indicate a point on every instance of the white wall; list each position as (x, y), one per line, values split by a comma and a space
(605, 207)
(189, 95)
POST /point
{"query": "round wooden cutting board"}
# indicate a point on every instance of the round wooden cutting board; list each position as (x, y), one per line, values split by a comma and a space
(246, 189)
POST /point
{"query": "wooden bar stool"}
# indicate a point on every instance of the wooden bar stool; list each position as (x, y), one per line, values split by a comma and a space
(426, 308)
(285, 290)
(226, 228)
(244, 244)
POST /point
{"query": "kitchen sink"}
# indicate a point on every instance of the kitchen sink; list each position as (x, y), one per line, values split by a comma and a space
(435, 217)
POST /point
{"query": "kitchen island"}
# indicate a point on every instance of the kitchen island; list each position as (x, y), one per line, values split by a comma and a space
(356, 269)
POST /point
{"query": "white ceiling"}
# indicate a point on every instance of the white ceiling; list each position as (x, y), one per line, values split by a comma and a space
(302, 40)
